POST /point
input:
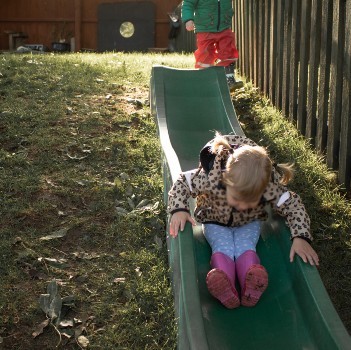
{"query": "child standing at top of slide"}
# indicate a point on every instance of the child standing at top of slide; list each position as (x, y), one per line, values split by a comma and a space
(234, 183)
(212, 20)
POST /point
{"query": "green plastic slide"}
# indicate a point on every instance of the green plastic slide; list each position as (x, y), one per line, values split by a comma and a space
(295, 312)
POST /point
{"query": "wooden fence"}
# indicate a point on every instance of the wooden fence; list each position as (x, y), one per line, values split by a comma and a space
(298, 53)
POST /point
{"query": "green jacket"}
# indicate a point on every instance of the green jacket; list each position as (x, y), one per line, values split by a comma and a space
(208, 15)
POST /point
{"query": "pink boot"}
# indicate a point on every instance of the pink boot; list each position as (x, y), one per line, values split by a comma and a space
(221, 280)
(253, 278)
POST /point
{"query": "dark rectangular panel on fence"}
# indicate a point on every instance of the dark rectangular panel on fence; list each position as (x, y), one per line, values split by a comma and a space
(297, 52)
(126, 26)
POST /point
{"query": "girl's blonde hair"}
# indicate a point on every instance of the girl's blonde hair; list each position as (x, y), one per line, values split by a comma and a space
(249, 169)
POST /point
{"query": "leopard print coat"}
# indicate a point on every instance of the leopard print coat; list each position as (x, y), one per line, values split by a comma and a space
(205, 184)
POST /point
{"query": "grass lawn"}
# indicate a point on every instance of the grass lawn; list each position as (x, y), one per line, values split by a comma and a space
(83, 257)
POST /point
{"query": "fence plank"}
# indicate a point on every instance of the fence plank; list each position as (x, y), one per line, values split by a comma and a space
(254, 42)
(251, 46)
(267, 45)
(334, 122)
(279, 54)
(286, 57)
(312, 90)
(273, 50)
(239, 19)
(324, 75)
(247, 38)
(304, 59)
(236, 29)
(345, 135)
(260, 46)
(243, 43)
(294, 58)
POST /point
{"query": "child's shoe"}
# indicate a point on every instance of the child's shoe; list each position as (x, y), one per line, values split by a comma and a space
(221, 280)
(234, 84)
(253, 278)
(221, 288)
(256, 282)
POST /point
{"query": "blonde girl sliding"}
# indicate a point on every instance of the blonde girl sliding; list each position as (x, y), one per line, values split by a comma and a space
(234, 183)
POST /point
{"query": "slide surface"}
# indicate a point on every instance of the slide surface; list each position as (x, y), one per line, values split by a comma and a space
(295, 312)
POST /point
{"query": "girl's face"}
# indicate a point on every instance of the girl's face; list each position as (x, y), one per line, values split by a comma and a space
(239, 205)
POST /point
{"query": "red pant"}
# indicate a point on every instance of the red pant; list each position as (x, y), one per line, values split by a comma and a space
(215, 49)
